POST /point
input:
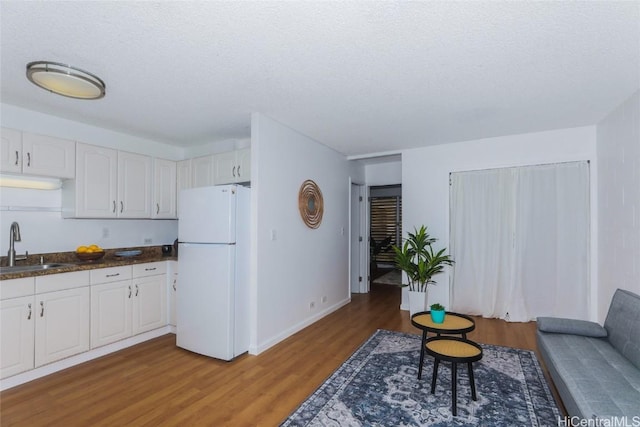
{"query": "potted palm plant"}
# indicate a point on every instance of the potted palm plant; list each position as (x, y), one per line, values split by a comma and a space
(417, 258)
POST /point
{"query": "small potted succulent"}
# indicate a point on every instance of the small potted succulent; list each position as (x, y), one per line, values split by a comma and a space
(437, 313)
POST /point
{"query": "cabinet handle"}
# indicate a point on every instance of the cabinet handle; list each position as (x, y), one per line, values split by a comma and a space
(114, 206)
(238, 171)
(41, 308)
(113, 275)
(137, 290)
(17, 157)
(121, 206)
(150, 269)
(174, 284)
(28, 159)
(234, 172)
(157, 208)
(129, 291)
(29, 316)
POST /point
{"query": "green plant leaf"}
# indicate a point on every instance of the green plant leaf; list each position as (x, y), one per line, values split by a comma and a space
(417, 259)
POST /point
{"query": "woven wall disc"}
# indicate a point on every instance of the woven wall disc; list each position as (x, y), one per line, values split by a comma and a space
(310, 204)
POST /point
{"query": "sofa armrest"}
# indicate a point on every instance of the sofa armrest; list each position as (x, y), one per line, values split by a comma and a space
(559, 325)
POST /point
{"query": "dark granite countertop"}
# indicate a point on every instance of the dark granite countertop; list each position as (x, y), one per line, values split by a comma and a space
(149, 254)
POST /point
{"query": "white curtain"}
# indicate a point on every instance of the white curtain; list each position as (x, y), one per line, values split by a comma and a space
(520, 241)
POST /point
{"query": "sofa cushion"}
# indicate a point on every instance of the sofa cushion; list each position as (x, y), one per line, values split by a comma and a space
(558, 325)
(593, 379)
(623, 325)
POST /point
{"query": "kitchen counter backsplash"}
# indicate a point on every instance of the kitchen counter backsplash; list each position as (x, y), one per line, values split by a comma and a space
(148, 254)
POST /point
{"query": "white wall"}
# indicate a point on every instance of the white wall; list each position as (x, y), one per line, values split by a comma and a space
(388, 173)
(300, 265)
(618, 148)
(39, 123)
(425, 181)
(216, 147)
(43, 230)
(38, 212)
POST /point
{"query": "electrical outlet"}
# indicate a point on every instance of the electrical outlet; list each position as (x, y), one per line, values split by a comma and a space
(148, 240)
(105, 232)
(312, 305)
(323, 300)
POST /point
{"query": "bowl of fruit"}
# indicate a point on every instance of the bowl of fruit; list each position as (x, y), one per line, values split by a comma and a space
(89, 253)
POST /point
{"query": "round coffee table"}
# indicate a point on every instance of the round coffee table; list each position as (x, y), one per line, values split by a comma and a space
(454, 323)
(455, 350)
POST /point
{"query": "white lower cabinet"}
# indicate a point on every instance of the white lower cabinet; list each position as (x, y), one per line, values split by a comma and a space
(62, 324)
(149, 303)
(52, 317)
(123, 308)
(17, 340)
(173, 289)
(110, 312)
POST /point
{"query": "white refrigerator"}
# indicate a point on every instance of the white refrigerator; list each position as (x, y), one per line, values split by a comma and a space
(212, 299)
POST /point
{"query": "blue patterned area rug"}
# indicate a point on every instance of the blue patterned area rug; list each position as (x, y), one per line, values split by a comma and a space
(378, 386)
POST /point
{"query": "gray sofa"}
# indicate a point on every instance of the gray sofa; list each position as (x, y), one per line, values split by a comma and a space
(596, 369)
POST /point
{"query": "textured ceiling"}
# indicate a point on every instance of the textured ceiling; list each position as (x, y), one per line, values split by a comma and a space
(360, 77)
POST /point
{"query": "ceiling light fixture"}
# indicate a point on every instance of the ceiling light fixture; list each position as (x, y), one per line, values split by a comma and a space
(65, 80)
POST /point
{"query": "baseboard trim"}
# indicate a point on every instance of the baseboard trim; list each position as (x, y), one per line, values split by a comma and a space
(255, 350)
(45, 370)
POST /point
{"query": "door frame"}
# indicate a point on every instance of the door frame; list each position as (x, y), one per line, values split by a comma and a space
(358, 255)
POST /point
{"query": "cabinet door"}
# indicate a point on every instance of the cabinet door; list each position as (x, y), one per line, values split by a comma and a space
(10, 150)
(17, 339)
(111, 312)
(96, 182)
(134, 185)
(225, 168)
(183, 179)
(164, 189)
(149, 303)
(48, 156)
(62, 324)
(243, 160)
(173, 289)
(202, 171)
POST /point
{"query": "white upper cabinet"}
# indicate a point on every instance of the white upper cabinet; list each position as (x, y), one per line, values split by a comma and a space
(134, 185)
(183, 180)
(108, 184)
(164, 189)
(225, 168)
(11, 150)
(46, 156)
(232, 167)
(37, 155)
(202, 171)
(243, 157)
(183, 175)
(94, 192)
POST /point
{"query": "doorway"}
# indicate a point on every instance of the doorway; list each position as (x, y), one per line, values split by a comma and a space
(357, 270)
(385, 231)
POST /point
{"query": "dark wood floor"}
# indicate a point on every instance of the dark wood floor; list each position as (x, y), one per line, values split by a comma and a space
(156, 383)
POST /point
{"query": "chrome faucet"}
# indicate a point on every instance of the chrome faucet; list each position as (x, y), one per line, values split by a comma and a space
(14, 236)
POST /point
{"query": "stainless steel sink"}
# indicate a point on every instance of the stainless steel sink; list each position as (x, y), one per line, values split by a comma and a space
(29, 268)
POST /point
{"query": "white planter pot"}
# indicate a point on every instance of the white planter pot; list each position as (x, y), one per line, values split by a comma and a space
(417, 302)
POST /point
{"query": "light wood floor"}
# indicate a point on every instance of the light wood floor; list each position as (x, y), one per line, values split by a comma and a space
(156, 383)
